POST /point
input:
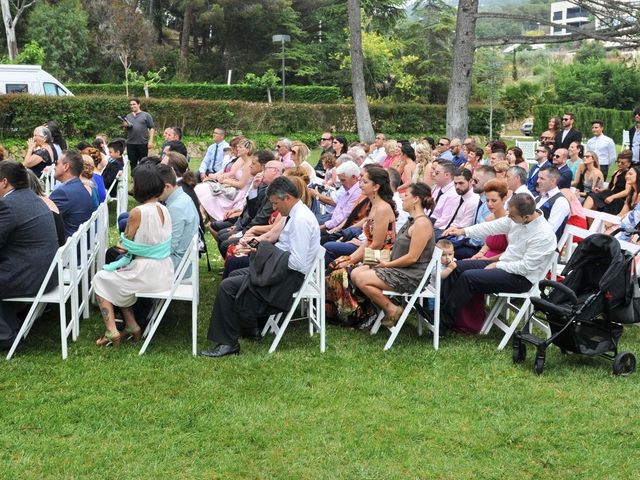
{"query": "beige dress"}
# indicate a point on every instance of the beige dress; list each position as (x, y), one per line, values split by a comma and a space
(142, 274)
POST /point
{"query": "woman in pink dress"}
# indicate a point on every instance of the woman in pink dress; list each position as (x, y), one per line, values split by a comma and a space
(238, 177)
(472, 315)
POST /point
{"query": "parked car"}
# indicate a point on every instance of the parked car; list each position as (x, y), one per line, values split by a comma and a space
(527, 128)
(31, 79)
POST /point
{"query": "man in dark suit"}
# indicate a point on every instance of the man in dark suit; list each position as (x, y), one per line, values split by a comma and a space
(28, 243)
(568, 134)
(542, 157)
(72, 198)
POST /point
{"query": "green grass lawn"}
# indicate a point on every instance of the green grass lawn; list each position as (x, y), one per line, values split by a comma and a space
(355, 411)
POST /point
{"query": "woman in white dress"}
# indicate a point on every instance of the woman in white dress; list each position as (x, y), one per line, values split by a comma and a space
(147, 265)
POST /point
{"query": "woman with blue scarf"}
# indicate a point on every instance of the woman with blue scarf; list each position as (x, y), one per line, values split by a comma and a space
(146, 264)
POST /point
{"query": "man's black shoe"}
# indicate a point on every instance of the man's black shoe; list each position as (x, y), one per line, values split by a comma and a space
(221, 350)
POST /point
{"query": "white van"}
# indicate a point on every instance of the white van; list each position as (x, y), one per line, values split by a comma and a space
(30, 79)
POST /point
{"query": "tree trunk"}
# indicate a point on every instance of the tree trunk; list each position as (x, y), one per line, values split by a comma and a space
(183, 61)
(363, 118)
(9, 27)
(461, 69)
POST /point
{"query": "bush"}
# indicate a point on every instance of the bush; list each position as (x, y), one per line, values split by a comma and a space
(210, 91)
(614, 120)
(82, 117)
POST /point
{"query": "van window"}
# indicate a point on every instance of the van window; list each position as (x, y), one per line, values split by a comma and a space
(51, 89)
(17, 88)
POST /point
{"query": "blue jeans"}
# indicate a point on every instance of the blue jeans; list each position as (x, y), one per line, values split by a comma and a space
(337, 249)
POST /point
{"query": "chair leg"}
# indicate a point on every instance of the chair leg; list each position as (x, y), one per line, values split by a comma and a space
(524, 310)
(493, 314)
(63, 328)
(153, 327)
(377, 323)
(194, 327)
(396, 329)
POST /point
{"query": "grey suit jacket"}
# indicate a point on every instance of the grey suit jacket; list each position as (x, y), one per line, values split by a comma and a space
(28, 243)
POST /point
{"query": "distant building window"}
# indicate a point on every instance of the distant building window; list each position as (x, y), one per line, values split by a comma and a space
(557, 15)
(17, 88)
(575, 12)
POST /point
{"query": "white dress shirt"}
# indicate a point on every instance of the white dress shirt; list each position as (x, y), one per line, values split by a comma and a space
(300, 237)
(560, 211)
(378, 155)
(530, 247)
(520, 189)
(604, 147)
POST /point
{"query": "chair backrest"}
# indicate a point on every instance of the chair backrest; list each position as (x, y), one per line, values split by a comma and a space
(316, 275)
(433, 271)
(566, 240)
(625, 138)
(632, 248)
(600, 219)
(528, 149)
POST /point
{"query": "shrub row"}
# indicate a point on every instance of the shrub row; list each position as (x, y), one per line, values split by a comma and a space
(210, 91)
(614, 120)
(83, 117)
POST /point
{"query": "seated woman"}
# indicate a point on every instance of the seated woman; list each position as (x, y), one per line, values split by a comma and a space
(239, 177)
(379, 228)
(494, 245)
(410, 256)
(422, 173)
(576, 152)
(474, 159)
(392, 149)
(611, 200)
(92, 181)
(40, 153)
(632, 179)
(515, 157)
(147, 244)
(588, 176)
(99, 159)
(299, 156)
(407, 165)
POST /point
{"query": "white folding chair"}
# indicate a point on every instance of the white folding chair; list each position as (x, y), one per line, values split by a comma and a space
(504, 303)
(625, 139)
(183, 289)
(566, 244)
(65, 258)
(48, 179)
(600, 220)
(122, 194)
(422, 292)
(312, 293)
(528, 149)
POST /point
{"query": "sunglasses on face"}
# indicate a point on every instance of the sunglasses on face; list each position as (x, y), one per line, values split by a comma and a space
(326, 139)
(442, 144)
(566, 119)
(540, 151)
(556, 156)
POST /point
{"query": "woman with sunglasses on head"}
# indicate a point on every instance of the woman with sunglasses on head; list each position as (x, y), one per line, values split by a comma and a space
(588, 176)
(612, 199)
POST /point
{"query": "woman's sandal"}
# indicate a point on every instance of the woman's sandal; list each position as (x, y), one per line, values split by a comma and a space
(109, 339)
(133, 334)
(390, 321)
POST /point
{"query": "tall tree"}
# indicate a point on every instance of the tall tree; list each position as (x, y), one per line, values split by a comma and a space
(461, 69)
(363, 118)
(11, 20)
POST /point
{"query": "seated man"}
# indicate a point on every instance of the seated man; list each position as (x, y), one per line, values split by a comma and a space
(258, 209)
(71, 197)
(444, 194)
(184, 216)
(551, 202)
(28, 243)
(275, 273)
(114, 165)
(349, 176)
(532, 244)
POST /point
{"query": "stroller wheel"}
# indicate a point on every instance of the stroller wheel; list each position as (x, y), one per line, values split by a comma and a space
(519, 351)
(624, 363)
(538, 366)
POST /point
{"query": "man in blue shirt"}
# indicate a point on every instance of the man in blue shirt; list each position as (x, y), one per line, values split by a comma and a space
(212, 161)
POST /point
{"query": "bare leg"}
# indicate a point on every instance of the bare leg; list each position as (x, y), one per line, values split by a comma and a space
(108, 316)
(370, 284)
(588, 203)
(129, 318)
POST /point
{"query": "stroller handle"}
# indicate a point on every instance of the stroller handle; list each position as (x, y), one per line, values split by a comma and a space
(563, 288)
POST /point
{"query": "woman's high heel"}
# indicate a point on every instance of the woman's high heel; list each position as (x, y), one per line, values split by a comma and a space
(133, 334)
(109, 339)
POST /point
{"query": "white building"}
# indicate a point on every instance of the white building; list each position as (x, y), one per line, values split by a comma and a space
(567, 13)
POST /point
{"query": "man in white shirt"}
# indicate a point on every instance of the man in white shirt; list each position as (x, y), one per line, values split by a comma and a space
(465, 212)
(444, 194)
(551, 202)
(275, 273)
(213, 159)
(516, 182)
(377, 153)
(524, 262)
(603, 146)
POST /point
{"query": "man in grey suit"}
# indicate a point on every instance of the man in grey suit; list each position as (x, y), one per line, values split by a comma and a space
(28, 243)
(75, 203)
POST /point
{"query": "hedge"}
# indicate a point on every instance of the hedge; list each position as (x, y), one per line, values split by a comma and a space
(83, 117)
(614, 120)
(210, 91)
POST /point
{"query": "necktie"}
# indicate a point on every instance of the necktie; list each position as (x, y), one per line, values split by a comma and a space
(215, 160)
(455, 213)
(480, 203)
(438, 196)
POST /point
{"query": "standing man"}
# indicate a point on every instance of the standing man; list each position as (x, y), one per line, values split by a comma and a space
(72, 199)
(276, 272)
(542, 157)
(28, 243)
(568, 134)
(213, 159)
(603, 146)
(377, 153)
(634, 137)
(140, 132)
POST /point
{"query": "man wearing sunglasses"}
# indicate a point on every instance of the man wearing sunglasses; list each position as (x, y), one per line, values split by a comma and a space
(542, 157)
(443, 149)
(325, 144)
(568, 134)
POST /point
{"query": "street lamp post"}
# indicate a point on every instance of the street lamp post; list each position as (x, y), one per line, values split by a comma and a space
(281, 39)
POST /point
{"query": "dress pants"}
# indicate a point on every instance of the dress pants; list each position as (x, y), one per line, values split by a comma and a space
(225, 239)
(136, 153)
(469, 278)
(462, 252)
(8, 324)
(226, 324)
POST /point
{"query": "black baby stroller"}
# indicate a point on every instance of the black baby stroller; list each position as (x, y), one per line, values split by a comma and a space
(587, 311)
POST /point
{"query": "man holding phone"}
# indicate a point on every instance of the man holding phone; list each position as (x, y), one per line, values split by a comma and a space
(140, 132)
